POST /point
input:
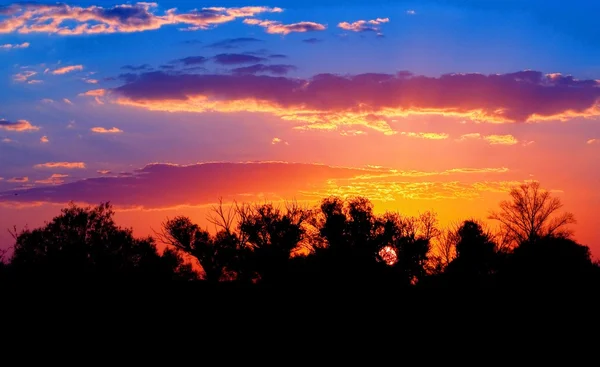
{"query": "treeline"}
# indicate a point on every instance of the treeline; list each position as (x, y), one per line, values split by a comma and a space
(339, 243)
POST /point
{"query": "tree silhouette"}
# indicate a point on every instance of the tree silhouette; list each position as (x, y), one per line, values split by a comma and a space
(84, 242)
(531, 214)
(272, 235)
(475, 253)
(214, 255)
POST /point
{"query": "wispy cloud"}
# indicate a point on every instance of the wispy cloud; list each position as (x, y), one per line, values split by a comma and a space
(411, 12)
(19, 126)
(24, 76)
(44, 139)
(54, 179)
(262, 68)
(593, 141)
(233, 59)
(430, 136)
(275, 27)
(364, 25)
(103, 130)
(501, 139)
(9, 46)
(136, 67)
(69, 20)
(234, 42)
(18, 179)
(278, 141)
(67, 101)
(493, 139)
(312, 40)
(67, 165)
(67, 69)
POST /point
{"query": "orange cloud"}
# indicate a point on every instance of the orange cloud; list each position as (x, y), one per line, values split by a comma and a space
(18, 180)
(494, 139)
(593, 141)
(55, 179)
(363, 25)
(67, 165)
(24, 76)
(67, 101)
(334, 103)
(430, 136)
(9, 46)
(67, 69)
(69, 20)
(278, 141)
(94, 93)
(44, 139)
(103, 130)
(103, 171)
(19, 126)
(274, 27)
(501, 139)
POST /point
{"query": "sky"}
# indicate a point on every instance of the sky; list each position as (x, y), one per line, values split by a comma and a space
(165, 108)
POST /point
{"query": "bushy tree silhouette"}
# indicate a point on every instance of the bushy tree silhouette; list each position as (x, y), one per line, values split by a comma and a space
(85, 243)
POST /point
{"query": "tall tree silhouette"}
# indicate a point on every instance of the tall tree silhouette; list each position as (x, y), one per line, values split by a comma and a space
(84, 242)
(475, 253)
(532, 213)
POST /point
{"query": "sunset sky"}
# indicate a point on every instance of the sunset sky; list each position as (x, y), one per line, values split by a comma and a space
(163, 108)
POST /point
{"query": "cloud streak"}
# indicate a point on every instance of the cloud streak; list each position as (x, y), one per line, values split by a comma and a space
(103, 130)
(234, 42)
(9, 46)
(165, 185)
(66, 165)
(364, 25)
(262, 68)
(275, 27)
(234, 59)
(67, 69)
(19, 126)
(69, 20)
(331, 102)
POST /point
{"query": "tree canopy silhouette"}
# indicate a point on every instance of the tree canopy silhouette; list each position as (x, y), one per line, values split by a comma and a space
(84, 242)
(342, 242)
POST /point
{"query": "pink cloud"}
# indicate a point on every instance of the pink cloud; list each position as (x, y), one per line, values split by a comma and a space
(103, 130)
(18, 180)
(67, 20)
(333, 102)
(24, 76)
(364, 25)
(67, 69)
(67, 165)
(54, 179)
(19, 126)
(44, 139)
(274, 27)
